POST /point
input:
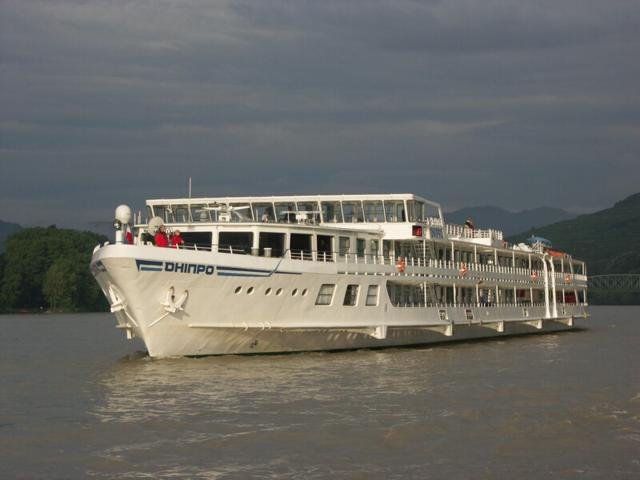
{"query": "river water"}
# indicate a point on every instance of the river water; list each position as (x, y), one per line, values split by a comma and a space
(79, 401)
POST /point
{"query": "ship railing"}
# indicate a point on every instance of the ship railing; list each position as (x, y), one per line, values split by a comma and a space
(408, 263)
(463, 231)
(471, 305)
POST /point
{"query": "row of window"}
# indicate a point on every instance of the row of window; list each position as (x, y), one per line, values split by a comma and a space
(268, 291)
(331, 211)
(327, 291)
(325, 294)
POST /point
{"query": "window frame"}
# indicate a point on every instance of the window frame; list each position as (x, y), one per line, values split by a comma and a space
(323, 296)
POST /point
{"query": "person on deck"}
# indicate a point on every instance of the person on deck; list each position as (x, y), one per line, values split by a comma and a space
(161, 239)
(176, 240)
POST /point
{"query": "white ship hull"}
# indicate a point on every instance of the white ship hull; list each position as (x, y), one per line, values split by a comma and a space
(189, 303)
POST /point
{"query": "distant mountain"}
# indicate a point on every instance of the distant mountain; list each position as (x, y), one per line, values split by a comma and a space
(6, 229)
(509, 222)
(608, 240)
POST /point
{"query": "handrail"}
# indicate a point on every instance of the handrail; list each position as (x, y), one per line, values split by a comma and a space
(411, 265)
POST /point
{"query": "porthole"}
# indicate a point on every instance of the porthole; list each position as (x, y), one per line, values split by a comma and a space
(294, 292)
(279, 292)
(238, 290)
(267, 291)
(249, 290)
(304, 292)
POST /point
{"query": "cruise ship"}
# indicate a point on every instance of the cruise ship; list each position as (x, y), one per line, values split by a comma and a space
(326, 272)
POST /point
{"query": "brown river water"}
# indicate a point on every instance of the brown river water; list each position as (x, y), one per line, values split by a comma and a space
(79, 401)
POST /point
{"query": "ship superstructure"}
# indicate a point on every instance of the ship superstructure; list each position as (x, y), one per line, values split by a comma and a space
(327, 272)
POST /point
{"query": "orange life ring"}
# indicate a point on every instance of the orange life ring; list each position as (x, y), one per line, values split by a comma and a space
(567, 278)
(400, 264)
(534, 275)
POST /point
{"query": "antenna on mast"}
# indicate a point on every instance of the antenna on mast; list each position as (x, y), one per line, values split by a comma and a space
(189, 188)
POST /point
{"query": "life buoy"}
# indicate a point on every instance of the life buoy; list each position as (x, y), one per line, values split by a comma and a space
(567, 278)
(400, 264)
(534, 275)
(463, 269)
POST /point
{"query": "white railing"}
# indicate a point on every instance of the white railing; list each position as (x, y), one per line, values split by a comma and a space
(466, 232)
(415, 265)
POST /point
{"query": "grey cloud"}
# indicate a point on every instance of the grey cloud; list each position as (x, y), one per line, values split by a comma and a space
(503, 102)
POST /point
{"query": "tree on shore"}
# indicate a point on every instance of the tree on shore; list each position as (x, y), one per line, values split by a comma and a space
(49, 268)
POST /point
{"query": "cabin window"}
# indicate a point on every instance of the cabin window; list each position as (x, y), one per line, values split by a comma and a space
(344, 245)
(331, 212)
(286, 212)
(325, 294)
(372, 296)
(300, 246)
(373, 211)
(313, 214)
(375, 244)
(360, 246)
(351, 295)
(395, 211)
(271, 244)
(200, 240)
(325, 247)
(235, 242)
(180, 213)
(200, 213)
(164, 212)
(149, 213)
(415, 210)
(263, 212)
(352, 212)
(240, 212)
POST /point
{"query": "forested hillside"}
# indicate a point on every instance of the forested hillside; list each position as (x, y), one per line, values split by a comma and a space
(609, 240)
(509, 222)
(48, 269)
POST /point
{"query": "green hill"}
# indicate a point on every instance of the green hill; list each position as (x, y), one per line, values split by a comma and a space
(608, 240)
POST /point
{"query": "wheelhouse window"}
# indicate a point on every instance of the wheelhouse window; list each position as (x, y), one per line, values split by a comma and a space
(415, 210)
(344, 245)
(200, 213)
(313, 214)
(163, 211)
(285, 212)
(271, 244)
(331, 212)
(372, 296)
(352, 212)
(180, 213)
(360, 247)
(395, 211)
(351, 295)
(235, 242)
(300, 246)
(325, 294)
(373, 211)
(263, 212)
(240, 212)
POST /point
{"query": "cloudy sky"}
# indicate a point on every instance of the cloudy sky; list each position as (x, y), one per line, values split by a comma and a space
(502, 102)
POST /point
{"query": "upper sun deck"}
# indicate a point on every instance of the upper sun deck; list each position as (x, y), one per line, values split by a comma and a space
(315, 209)
(393, 213)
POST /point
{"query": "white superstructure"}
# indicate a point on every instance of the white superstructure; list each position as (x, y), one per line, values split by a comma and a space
(326, 272)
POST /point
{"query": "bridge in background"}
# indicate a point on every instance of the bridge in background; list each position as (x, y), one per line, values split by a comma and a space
(617, 282)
